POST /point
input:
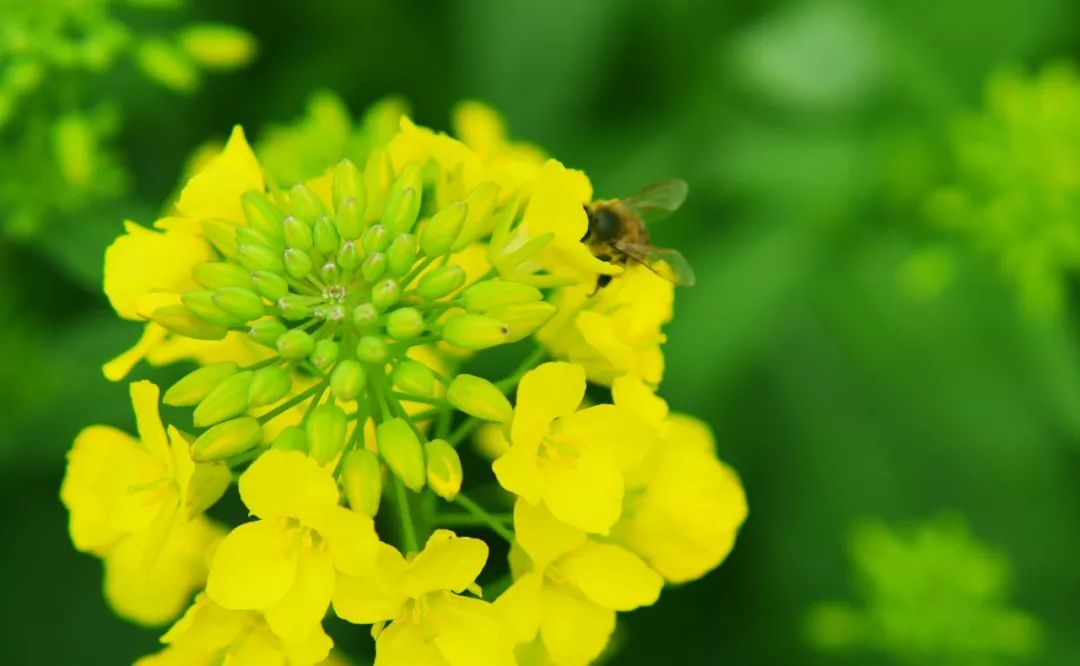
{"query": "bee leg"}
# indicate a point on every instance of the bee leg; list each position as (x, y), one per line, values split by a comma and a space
(601, 282)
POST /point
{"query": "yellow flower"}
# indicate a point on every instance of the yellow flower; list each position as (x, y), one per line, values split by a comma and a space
(430, 623)
(146, 269)
(137, 504)
(480, 128)
(684, 507)
(209, 635)
(285, 564)
(615, 332)
(569, 592)
(572, 461)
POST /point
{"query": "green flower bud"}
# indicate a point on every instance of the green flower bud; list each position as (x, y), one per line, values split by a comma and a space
(222, 235)
(326, 236)
(291, 438)
(207, 484)
(271, 286)
(252, 236)
(349, 219)
(298, 234)
(267, 331)
(240, 302)
(475, 332)
(362, 480)
(326, 433)
(347, 380)
(404, 323)
(401, 255)
(401, 211)
(489, 294)
(268, 385)
(523, 319)
(372, 349)
(227, 439)
(365, 316)
(197, 384)
(201, 304)
(400, 448)
(177, 319)
(440, 232)
(324, 354)
(480, 203)
(295, 307)
(378, 175)
(443, 469)
(348, 257)
(228, 399)
(385, 293)
(295, 345)
(297, 263)
(260, 258)
(348, 184)
(261, 213)
(304, 203)
(414, 377)
(329, 272)
(374, 266)
(214, 274)
(375, 239)
(478, 397)
(441, 281)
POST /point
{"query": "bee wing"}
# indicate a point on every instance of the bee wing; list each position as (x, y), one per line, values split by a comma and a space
(668, 264)
(658, 200)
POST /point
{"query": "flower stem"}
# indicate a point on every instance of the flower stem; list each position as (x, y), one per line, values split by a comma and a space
(484, 517)
(289, 404)
(530, 362)
(408, 530)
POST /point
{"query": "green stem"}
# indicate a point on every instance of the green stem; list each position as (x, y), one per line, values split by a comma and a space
(415, 272)
(484, 517)
(408, 530)
(409, 397)
(315, 403)
(292, 402)
(530, 362)
(463, 430)
(468, 520)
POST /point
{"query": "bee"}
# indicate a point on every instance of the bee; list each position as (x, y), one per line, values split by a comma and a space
(617, 232)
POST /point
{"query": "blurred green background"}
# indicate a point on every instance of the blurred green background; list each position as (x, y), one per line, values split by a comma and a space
(867, 370)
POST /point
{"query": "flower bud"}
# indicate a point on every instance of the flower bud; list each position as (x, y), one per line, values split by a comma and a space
(489, 294)
(259, 258)
(401, 255)
(228, 399)
(401, 211)
(201, 304)
(227, 439)
(326, 433)
(475, 332)
(440, 232)
(347, 380)
(252, 236)
(523, 319)
(371, 349)
(261, 213)
(298, 234)
(385, 293)
(326, 236)
(304, 203)
(295, 345)
(478, 397)
(242, 303)
(480, 203)
(414, 377)
(177, 319)
(268, 385)
(401, 450)
(197, 384)
(207, 484)
(297, 263)
(214, 274)
(375, 239)
(443, 469)
(271, 286)
(329, 272)
(348, 257)
(324, 354)
(404, 323)
(378, 174)
(349, 220)
(441, 281)
(267, 331)
(348, 184)
(374, 266)
(291, 438)
(365, 316)
(362, 480)
(295, 307)
(222, 235)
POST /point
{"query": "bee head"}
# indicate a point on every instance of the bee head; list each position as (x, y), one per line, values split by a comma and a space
(603, 224)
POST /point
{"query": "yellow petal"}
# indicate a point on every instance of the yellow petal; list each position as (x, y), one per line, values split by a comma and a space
(258, 647)
(207, 626)
(448, 562)
(144, 399)
(350, 537)
(601, 333)
(287, 483)
(403, 644)
(120, 366)
(574, 631)
(254, 567)
(632, 394)
(469, 632)
(215, 191)
(517, 471)
(611, 576)
(373, 595)
(615, 432)
(301, 610)
(541, 535)
(547, 392)
(586, 492)
(520, 606)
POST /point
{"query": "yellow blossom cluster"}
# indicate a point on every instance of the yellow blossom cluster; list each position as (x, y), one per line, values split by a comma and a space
(330, 322)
